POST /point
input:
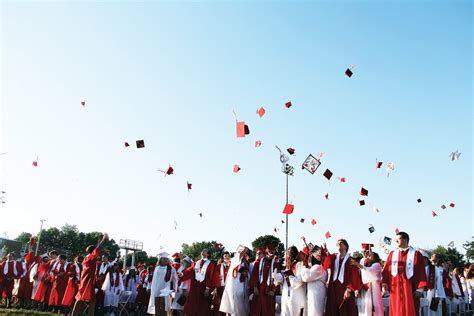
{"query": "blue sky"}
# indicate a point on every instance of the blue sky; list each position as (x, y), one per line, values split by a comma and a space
(172, 72)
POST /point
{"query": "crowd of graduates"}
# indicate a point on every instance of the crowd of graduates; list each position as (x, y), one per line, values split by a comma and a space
(310, 281)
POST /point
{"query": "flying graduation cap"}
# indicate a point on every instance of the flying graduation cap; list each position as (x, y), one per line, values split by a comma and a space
(326, 196)
(301, 220)
(378, 164)
(433, 213)
(327, 235)
(288, 209)
(313, 222)
(288, 104)
(371, 228)
(189, 185)
(419, 200)
(328, 174)
(83, 103)
(35, 162)
(169, 171)
(126, 144)
(140, 143)
(390, 168)
(349, 72)
(364, 192)
(343, 179)
(258, 143)
(387, 240)
(443, 207)
(367, 247)
(311, 164)
(242, 129)
(452, 205)
(291, 151)
(236, 168)
(455, 155)
(200, 215)
(361, 202)
(261, 111)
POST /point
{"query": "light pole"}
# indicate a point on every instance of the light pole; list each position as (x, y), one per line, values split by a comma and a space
(288, 170)
(39, 236)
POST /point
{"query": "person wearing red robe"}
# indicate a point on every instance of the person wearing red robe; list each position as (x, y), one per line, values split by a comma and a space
(262, 284)
(143, 296)
(25, 288)
(404, 276)
(344, 280)
(219, 278)
(86, 291)
(74, 276)
(59, 278)
(201, 274)
(9, 271)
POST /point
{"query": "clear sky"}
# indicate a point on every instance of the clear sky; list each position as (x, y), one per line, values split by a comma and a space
(172, 72)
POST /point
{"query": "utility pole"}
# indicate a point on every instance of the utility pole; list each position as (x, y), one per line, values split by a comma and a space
(39, 236)
(288, 170)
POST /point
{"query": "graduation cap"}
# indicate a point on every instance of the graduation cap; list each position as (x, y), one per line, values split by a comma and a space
(291, 151)
(261, 111)
(189, 185)
(375, 209)
(387, 240)
(311, 164)
(288, 104)
(419, 200)
(313, 222)
(258, 143)
(327, 235)
(236, 168)
(443, 207)
(200, 215)
(169, 171)
(452, 205)
(242, 129)
(288, 209)
(83, 103)
(367, 247)
(378, 164)
(140, 143)
(361, 202)
(35, 162)
(371, 229)
(327, 174)
(455, 155)
(301, 220)
(348, 72)
(433, 213)
(326, 196)
(364, 192)
(390, 168)
(275, 230)
(126, 144)
(343, 179)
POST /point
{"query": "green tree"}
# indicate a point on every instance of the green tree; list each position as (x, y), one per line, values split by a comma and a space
(469, 247)
(264, 241)
(24, 237)
(357, 255)
(451, 255)
(194, 250)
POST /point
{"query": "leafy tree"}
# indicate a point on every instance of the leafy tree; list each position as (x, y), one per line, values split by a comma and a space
(24, 237)
(469, 247)
(357, 255)
(194, 250)
(264, 241)
(451, 255)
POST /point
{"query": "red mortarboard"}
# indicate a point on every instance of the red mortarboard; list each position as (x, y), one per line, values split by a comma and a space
(140, 143)
(378, 164)
(288, 104)
(364, 192)
(261, 111)
(367, 246)
(419, 200)
(190, 185)
(288, 209)
(361, 202)
(291, 151)
(326, 196)
(327, 235)
(258, 143)
(327, 174)
(242, 129)
(35, 163)
(348, 72)
(126, 144)
(343, 179)
(433, 213)
(83, 103)
(452, 205)
(301, 220)
(313, 222)
(169, 171)
(236, 168)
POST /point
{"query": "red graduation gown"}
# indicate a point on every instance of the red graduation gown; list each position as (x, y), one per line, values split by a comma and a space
(72, 285)
(216, 302)
(196, 303)
(60, 279)
(336, 305)
(26, 287)
(42, 295)
(263, 304)
(402, 301)
(86, 286)
(8, 279)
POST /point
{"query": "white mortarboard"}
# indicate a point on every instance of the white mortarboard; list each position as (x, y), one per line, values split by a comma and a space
(187, 259)
(164, 255)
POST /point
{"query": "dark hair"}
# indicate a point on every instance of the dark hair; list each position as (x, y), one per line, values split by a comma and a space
(293, 254)
(470, 272)
(63, 257)
(376, 257)
(225, 253)
(90, 248)
(404, 235)
(343, 241)
(53, 252)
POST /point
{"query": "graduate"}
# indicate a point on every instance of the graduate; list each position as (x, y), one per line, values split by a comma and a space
(183, 288)
(315, 276)
(10, 270)
(74, 276)
(131, 281)
(165, 282)
(404, 277)
(112, 287)
(59, 279)
(220, 277)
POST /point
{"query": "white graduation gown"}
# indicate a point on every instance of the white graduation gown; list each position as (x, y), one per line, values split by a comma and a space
(112, 292)
(35, 277)
(293, 298)
(158, 284)
(438, 292)
(373, 296)
(235, 299)
(132, 286)
(183, 288)
(315, 278)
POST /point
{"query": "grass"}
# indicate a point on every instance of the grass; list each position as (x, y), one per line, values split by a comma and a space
(25, 312)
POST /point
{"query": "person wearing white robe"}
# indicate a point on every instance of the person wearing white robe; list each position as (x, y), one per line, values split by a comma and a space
(36, 276)
(183, 288)
(315, 277)
(112, 287)
(235, 299)
(160, 288)
(370, 301)
(131, 280)
(293, 294)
